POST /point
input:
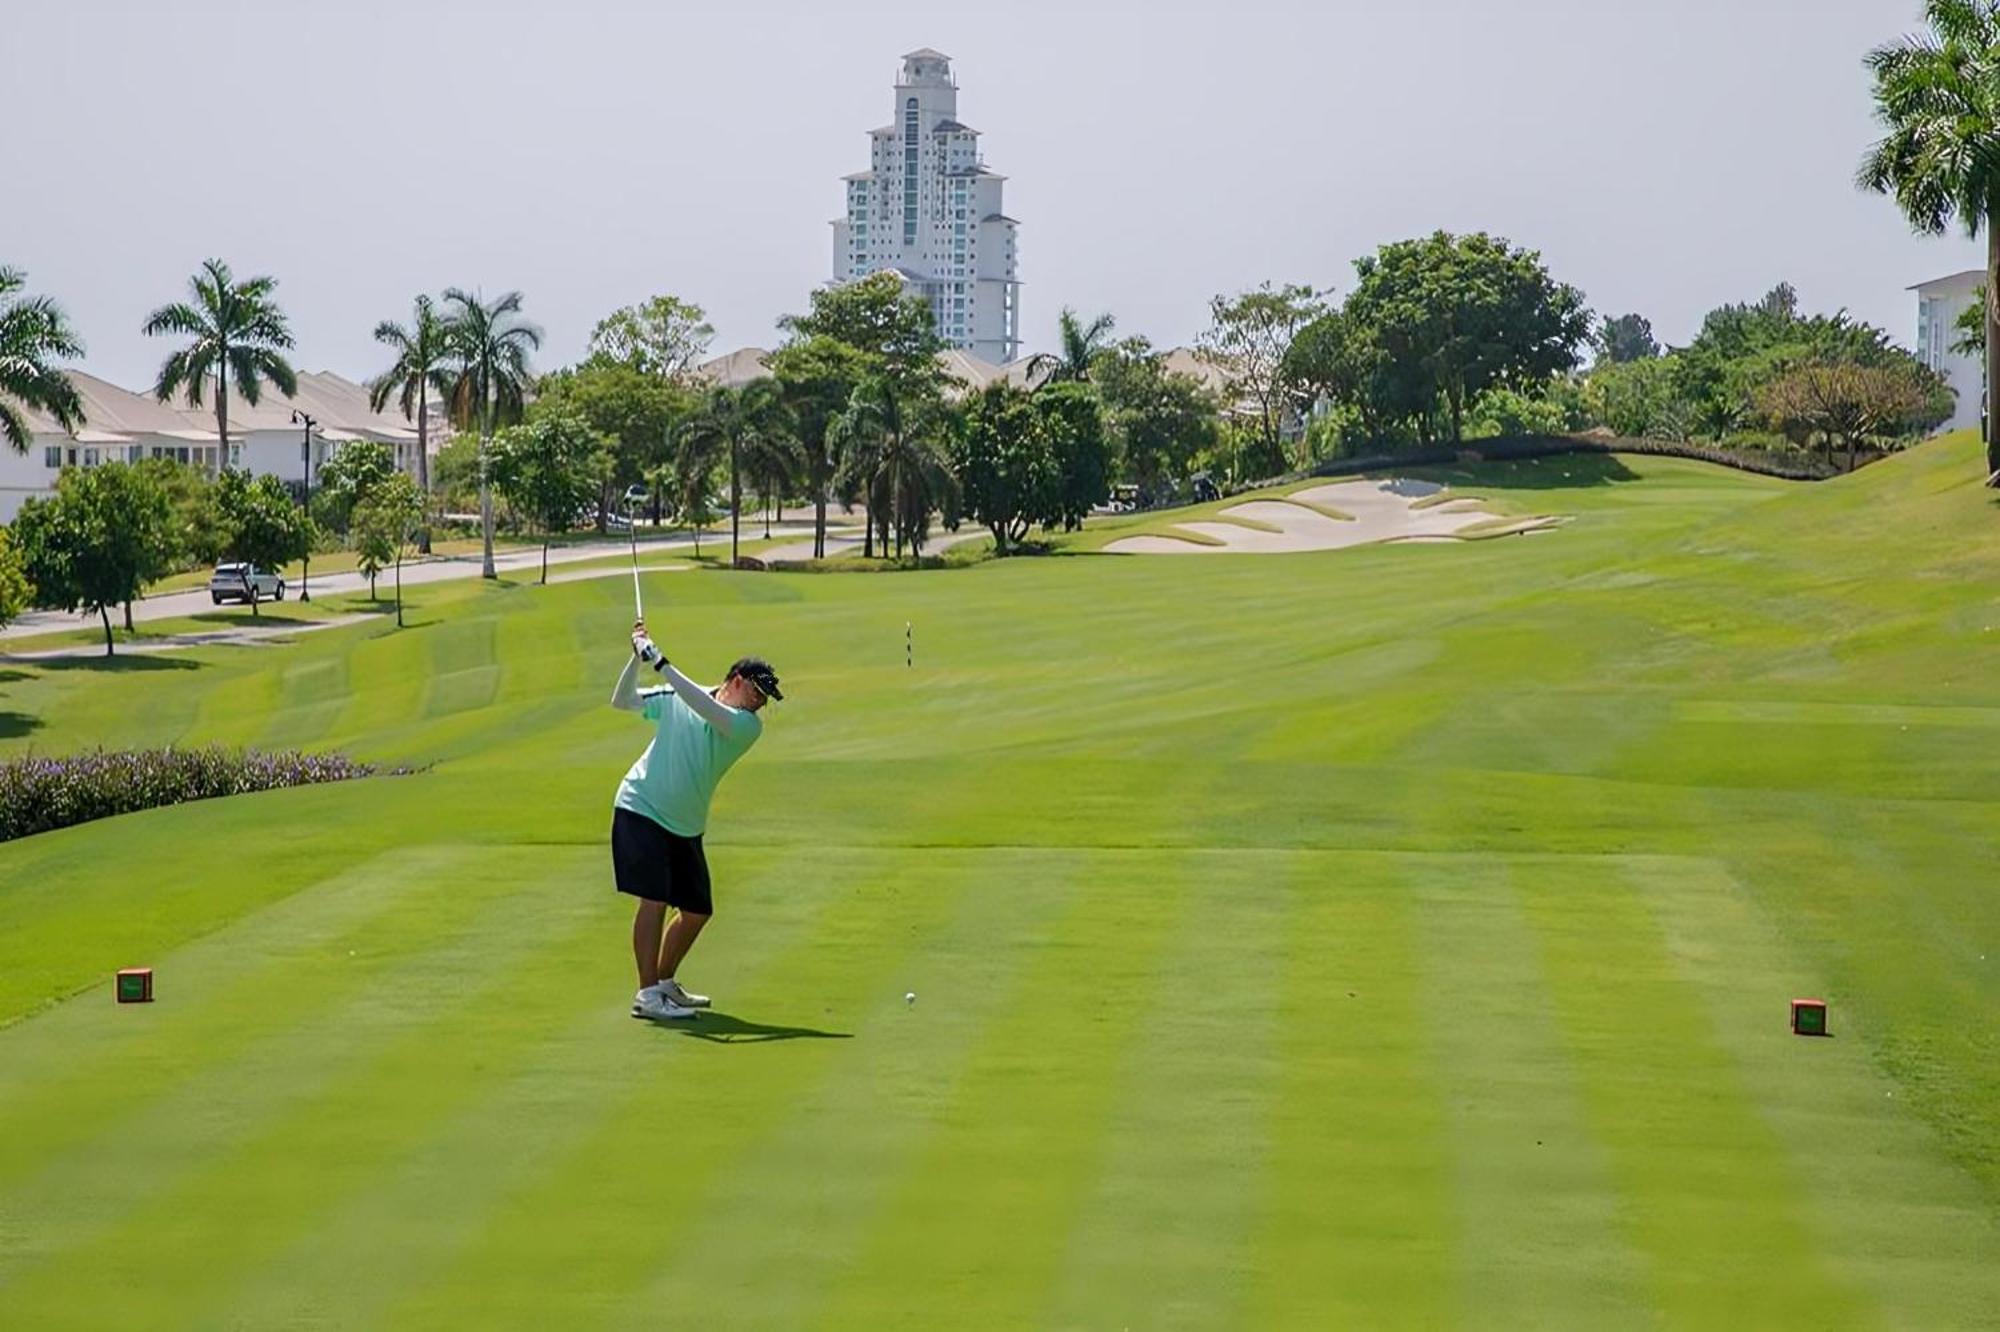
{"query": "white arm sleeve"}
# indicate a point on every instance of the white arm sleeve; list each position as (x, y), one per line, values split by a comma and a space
(722, 718)
(625, 697)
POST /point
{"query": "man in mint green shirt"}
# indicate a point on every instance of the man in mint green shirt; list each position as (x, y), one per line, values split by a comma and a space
(662, 809)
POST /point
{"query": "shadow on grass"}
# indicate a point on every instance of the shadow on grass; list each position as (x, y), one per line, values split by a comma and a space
(722, 1029)
(14, 725)
(10, 676)
(136, 661)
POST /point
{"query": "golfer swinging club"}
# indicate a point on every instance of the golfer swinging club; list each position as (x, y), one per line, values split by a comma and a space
(662, 809)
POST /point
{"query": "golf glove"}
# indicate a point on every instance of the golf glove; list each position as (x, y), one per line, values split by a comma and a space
(648, 652)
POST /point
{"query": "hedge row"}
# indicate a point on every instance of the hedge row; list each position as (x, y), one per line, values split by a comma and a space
(41, 794)
(1791, 466)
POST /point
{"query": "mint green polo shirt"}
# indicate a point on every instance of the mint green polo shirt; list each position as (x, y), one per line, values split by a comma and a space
(675, 778)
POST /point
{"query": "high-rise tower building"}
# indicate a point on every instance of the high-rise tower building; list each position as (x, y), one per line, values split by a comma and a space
(928, 210)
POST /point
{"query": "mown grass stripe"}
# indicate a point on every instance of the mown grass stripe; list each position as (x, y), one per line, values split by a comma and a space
(1357, 1227)
(166, 1172)
(526, 1071)
(1887, 1211)
(1537, 1217)
(788, 1218)
(1705, 1190)
(87, 1066)
(978, 1221)
(685, 1108)
(1165, 1239)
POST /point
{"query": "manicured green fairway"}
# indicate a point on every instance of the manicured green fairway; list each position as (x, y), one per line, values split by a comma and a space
(1398, 937)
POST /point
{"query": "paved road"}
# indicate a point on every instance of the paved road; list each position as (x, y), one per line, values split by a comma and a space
(432, 571)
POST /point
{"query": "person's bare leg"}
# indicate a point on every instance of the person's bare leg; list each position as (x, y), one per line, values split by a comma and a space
(681, 931)
(646, 927)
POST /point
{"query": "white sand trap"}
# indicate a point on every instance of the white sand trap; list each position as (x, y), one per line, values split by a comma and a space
(1381, 511)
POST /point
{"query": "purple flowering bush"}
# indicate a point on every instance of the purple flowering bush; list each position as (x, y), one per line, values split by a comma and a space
(41, 794)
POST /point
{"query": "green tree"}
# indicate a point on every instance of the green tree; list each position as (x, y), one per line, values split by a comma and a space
(1851, 404)
(234, 328)
(636, 413)
(725, 423)
(196, 536)
(550, 469)
(1081, 345)
(34, 331)
(1627, 337)
(1938, 96)
(816, 377)
(774, 461)
(1465, 314)
(16, 592)
(1072, 423)
(95, 542)
(422, 367)
(488, 346)
(1970, 326)
(1006, 471)
(358, 466)
(903, 396)
(1247, 338)
(892, 449)
(1638, 399)
(384, 524)
(663, 337)
(1158, 420)
(265, 527)
(697, 455)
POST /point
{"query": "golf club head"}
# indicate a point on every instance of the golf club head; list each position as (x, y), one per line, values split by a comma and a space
(635, 495)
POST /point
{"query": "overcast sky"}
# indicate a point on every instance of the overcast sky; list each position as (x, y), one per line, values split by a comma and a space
(1664, 158)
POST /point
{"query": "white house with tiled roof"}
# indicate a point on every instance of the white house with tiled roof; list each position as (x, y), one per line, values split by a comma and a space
(928, 209)
(122, 426)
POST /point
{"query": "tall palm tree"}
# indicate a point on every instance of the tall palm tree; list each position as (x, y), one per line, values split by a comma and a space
(728, 419)
(423, 364)
(487, 346)
(1081, 344)
(1938, 94)
(889, 453)
(236, 327)
(32, 330)
(773, 458)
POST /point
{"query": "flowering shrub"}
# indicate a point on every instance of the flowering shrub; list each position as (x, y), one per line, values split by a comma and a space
(40, 794)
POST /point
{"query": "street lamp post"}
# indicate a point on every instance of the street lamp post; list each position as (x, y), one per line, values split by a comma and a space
(305, 571)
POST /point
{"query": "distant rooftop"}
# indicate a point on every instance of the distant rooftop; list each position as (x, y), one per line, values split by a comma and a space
(925, 53)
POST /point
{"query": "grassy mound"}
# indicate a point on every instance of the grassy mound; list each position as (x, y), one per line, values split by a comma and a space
(1391, 937)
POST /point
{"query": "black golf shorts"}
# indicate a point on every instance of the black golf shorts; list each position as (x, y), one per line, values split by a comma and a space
(658, 865)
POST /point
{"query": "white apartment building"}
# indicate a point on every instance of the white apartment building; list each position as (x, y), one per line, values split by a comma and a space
(1939, 304)
(122, 426)
(928, 210)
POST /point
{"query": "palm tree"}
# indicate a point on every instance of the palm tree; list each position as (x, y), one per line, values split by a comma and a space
(487, 346)
(888, 454)
(32, 330)
(1081, 344)
(728, 418)
(773, 458)
(236, 327)
(423, 358)
(1938, 94)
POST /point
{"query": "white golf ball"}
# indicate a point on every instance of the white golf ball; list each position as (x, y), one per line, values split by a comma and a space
(910, 998)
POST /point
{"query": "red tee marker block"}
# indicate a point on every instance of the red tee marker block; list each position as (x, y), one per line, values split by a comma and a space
(135, 985)
(1809, 1017)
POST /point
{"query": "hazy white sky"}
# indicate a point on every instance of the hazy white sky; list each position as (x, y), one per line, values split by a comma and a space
(1664, 158)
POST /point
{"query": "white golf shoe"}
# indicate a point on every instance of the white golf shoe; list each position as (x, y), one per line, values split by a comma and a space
(671, 989)
(656, 1007)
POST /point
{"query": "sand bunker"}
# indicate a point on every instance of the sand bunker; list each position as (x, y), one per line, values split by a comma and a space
(1379, 511)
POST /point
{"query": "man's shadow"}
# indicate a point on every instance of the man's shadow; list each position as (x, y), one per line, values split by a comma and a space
(726, 1030)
